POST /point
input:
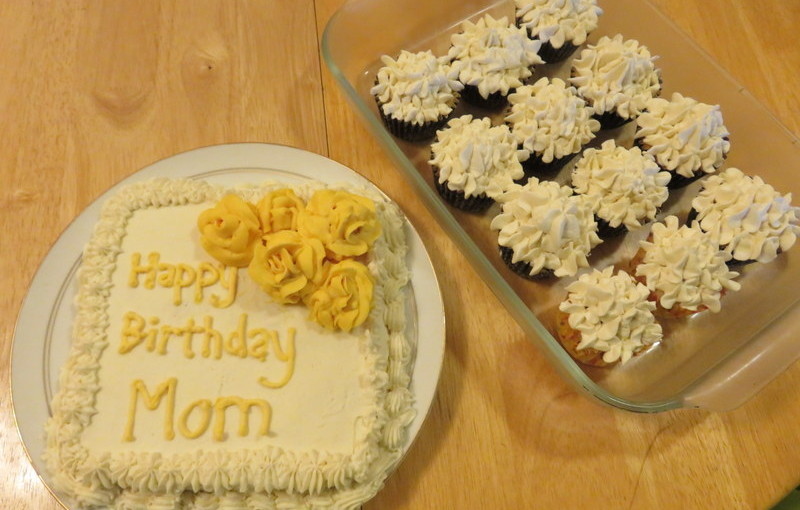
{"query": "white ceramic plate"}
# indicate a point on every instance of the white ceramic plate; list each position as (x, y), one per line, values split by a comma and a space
(42, 334)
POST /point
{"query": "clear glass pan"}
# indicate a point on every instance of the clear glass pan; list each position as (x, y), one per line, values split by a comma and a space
(711, 361)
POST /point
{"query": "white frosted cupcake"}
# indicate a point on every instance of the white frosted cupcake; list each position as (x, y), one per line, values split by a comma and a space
(616, 77)
(747, 217)
(416, 93)
(544, 230)
(561, 25)
(606, 318)
(625, 187)
(684, 268)
(495, 58)
(551, 122)
(686, 137)
(474, 162)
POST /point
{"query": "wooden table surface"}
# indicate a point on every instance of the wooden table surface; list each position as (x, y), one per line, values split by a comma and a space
(91, 91)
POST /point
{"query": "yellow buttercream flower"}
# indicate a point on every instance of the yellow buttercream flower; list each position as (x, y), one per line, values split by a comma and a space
(279, 209)
(229, 230)
(344, 300)
(346, 223)
(288, 266)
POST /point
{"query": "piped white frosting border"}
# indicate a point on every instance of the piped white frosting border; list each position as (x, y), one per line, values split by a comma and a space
(269, 477)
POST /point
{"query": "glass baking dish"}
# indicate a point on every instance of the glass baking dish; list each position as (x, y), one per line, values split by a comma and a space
(710, 361)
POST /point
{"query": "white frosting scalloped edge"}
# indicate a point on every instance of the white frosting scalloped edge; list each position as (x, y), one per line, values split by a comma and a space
(746, 216)
(616, 75)
(475, 157)
(612, 313)
(558, 21)
(683, 135)
(685, 266)
(546, 226)
(417, 87)
(623, 185)
(550, 120)
(275, 478)
(495, 55)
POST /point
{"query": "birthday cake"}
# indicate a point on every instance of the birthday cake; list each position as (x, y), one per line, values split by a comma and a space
(235, 348)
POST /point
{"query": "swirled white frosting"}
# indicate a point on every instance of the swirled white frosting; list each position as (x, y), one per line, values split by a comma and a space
(685, 267)
(746, 216)
(546, 226)
(92, 467)
(475, 157)
(495, 55)
(558, 21)
(550, 120)
(623, 185)
(683, 135)
(417, 87)
(616, 75)
(612, 313)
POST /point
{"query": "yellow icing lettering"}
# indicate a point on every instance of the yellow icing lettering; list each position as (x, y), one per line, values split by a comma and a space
(205, 419)
(212, 339)
(236, 343)
(149, 270)
(228, 283)
(184, 277)
(207, 275)
(178, 277)
(166, 275)
(244, 406)
(132, 332)
(287, 356)
(152, 402)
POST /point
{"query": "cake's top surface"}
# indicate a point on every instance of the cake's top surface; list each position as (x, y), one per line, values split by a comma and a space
(475, 157)
(558, 21)
(546, 226)
(495, 55)
(683, 135)
(685, 267)
(616, 75)
(187, 376)
(623, 185)
(746, 216)
(550, 120)
(612, 313)
(417, 88)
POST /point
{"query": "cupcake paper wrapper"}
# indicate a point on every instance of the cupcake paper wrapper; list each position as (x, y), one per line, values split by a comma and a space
(551, 55)
(474, 203)
(606, 231)
(610, 120)
(495, 100)
(412, 132)
(523, 269)
(535, 167)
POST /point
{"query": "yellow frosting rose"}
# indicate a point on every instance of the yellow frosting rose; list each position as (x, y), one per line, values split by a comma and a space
(229, 231)
(279, 209)
(346, 223)
(343, 301)
(288, 266)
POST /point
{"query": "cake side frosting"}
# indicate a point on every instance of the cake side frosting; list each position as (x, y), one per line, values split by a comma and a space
(683, 135)
(494, 55)
(550, 120)
(193, 450)
(417, 88)
(746, 216)
(559, 21)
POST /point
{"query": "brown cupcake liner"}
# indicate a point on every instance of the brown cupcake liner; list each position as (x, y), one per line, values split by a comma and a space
(552, 55)
(459, 200)
(523, 269)
(409, 131)
(495, 101)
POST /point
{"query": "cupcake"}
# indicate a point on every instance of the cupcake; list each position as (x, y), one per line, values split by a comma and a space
(686, 137)
(495, 57)
(561, 25)
(416, 94)
(745, 216)
(473, 162)
(625, 187)
(544, 230)
(616, 77)
(684, 269)
(606, 318)
(550, 122)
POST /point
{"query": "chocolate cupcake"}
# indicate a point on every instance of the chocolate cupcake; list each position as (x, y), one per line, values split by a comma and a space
(551, 123)
(616, 77)
(606, 318)
(495, 58)
(624, 187)
(474, 162)
(686, 137)
(684, 268)
(747, 217)
(543, 230)
(562, 26)
(416, 94)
